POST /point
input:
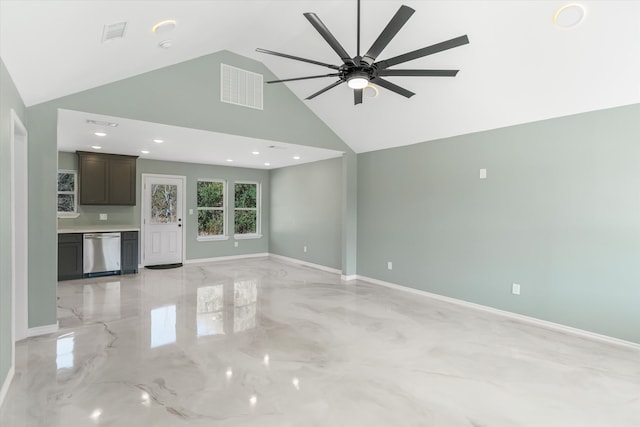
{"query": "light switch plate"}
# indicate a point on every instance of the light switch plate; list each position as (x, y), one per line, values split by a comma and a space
(483, 174)
(190, 211)
(103, 217)
(515, 289)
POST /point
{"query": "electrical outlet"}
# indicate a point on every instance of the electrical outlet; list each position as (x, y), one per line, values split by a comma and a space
(190, 211)
(304, 248)
(515, 289)
(235, 244)
(483, 174)
(389, 265)
(103, 217)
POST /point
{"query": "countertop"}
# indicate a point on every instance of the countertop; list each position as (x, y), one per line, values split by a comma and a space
(97, 229)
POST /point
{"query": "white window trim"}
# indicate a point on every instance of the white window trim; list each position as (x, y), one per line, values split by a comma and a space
(75, 213)
(225, 191)
(258, 209)
(247, 236)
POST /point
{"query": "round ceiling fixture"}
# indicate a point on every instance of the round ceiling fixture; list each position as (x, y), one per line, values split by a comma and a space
(371, 91)
(164, 26)
(569, 15)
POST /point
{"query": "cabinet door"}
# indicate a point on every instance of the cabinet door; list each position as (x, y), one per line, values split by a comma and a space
(94, 175)
(129, 252)
(69, 256)
(122, 181)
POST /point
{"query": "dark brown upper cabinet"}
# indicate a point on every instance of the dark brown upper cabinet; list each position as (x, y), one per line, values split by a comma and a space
(106, 179)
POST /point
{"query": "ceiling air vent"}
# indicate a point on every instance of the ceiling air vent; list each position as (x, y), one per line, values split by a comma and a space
(113, 31)
(240, 87)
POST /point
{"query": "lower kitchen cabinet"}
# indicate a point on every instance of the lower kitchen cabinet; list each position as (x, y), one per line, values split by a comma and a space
(129, 252)
(69, 256)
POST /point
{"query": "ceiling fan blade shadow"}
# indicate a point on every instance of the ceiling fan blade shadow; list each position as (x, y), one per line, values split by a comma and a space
(419, 73)
(304, 78)
(326, 34)
(393, 87)
(429, 50)
(297, 58)
(397, 22)
(321, 91)
(357, 96)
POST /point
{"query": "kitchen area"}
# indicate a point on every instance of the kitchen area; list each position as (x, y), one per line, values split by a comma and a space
(96, 181)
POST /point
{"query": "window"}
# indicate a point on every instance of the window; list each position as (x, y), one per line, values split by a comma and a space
(67, 194)
(247, 207)
(211, 209)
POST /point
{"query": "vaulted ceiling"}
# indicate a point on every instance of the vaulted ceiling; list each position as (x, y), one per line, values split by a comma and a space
(519, 66)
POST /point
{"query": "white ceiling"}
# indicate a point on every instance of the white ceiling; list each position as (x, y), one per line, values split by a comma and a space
(179, 144)
(518, 67)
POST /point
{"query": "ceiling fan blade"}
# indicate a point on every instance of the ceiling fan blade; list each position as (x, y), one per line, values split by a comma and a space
(393, 87)
(419, 73)
(326, 34)
(320, 92)
(429, 50)
(304, 78)
(297, 58)
(397, 22)
(357, 96)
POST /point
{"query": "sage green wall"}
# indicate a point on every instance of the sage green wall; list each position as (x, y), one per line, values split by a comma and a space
(306, 210)
(559, 214)
(185, 94)
(9, 99)
(130, 215)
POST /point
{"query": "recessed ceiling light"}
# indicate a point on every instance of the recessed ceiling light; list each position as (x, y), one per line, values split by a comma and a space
(229, 160)
(100, 134)
(296, 157)
(255, 152)
(158, 141)
(145, 151)
(164, 26)
(371, 91)
(568, 15)
(267, 164)
(96, 147)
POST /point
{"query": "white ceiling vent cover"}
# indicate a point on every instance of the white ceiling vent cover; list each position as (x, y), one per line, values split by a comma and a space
(240, 87)
(113, 31)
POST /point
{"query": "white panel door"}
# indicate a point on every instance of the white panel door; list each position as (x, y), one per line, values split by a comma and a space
(162, 222)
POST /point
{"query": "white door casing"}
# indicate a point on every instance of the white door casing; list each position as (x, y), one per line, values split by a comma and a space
(162, 219)
(19, 228)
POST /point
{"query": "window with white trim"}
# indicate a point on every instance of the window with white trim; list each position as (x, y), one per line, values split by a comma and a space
(246, 216)
(211, 208)
(67, 193)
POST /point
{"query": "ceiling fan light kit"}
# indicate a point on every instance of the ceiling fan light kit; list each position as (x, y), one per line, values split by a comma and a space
(360, 71)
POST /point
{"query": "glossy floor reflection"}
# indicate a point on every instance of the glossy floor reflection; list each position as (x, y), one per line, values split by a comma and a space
(265, 343)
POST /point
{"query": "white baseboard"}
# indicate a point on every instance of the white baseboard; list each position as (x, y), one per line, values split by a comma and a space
(527, 319)
(225, 258)
(6, 384)
(42, 330)
(349, 277)
(305, 263)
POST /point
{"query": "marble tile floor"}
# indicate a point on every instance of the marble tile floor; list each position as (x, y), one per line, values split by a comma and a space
(260, 342)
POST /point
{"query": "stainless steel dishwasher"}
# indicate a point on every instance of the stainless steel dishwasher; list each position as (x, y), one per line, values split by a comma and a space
(101, 254)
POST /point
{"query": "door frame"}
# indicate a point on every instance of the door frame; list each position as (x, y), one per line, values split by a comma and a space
(19, 232)
(143, 181)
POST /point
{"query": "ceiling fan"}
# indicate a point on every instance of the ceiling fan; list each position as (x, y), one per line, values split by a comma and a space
(359, 71)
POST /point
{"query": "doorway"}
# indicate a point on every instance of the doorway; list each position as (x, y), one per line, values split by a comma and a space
(162, 219)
